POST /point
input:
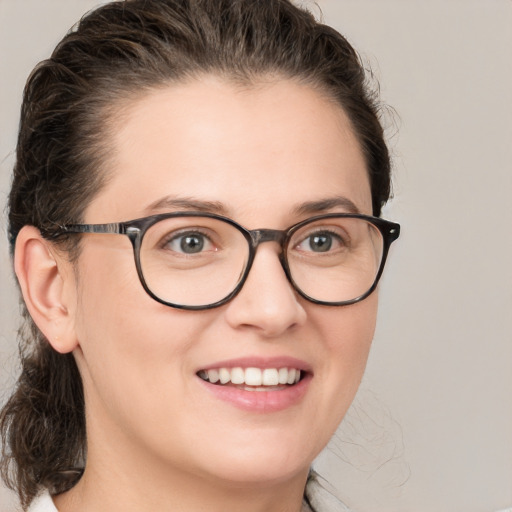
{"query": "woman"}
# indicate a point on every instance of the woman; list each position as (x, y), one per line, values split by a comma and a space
(200, 356)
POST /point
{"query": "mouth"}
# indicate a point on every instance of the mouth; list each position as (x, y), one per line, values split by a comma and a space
(258, 384)
(252, 378)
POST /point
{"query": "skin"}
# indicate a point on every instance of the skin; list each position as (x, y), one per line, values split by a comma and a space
(156, 439)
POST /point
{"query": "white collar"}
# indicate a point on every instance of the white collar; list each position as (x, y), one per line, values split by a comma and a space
(42, 503)
(320, 497)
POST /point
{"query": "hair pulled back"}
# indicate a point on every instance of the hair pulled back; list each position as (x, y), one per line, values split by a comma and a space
(115, 53)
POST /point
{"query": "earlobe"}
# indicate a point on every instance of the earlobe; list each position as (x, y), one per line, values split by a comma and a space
(45, 280)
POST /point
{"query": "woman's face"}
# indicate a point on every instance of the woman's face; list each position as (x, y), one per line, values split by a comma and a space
(267, 156)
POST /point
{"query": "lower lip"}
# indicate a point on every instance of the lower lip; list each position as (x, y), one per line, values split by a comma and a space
(260, 401)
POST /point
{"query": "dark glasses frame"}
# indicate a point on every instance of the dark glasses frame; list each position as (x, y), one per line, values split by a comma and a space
(137, 228)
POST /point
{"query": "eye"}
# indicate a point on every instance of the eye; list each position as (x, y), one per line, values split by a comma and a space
(321, 241)
(191, 242)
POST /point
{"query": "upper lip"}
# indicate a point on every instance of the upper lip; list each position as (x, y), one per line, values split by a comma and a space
(260, 362)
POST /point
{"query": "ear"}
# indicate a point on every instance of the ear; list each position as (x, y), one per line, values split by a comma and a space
(47, 283)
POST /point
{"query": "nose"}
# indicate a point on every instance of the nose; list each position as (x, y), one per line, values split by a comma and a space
(267, 302)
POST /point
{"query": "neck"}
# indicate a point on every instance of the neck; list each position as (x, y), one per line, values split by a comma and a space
(118, 479)
(181, 493)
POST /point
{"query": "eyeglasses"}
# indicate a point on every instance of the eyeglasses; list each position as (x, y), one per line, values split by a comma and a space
(196, 260)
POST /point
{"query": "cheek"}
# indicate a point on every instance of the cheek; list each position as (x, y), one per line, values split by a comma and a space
(349, 331)
(108, 295)
(121, 331)
(348, 334)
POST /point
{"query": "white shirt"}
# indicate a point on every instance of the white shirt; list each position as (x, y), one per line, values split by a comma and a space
(43, 503)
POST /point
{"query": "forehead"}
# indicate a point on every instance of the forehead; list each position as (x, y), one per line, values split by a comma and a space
(268, 147)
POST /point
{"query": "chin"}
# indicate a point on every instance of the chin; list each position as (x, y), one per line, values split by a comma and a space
(264, 474)
(262, 465)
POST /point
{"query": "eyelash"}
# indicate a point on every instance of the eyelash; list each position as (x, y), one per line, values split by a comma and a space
(342, 241)
(176, 236)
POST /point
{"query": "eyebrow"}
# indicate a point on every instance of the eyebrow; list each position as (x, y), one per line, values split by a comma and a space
(187, 203)
(329, 203)
(306, 208)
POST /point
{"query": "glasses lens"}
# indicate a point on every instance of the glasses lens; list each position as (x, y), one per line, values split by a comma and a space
(193, 261)
(335, 259)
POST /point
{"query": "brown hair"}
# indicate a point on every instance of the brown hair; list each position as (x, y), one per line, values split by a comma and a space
(114, 53)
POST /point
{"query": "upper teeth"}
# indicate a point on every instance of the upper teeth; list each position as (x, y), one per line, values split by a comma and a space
(252, 376)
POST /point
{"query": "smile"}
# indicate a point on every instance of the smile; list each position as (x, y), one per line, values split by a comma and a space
(253, 379)
(258, 384)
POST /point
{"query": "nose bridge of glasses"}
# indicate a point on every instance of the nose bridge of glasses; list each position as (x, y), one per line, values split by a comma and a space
(259, 236)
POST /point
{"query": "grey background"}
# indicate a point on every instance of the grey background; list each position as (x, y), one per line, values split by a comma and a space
(431, 429)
